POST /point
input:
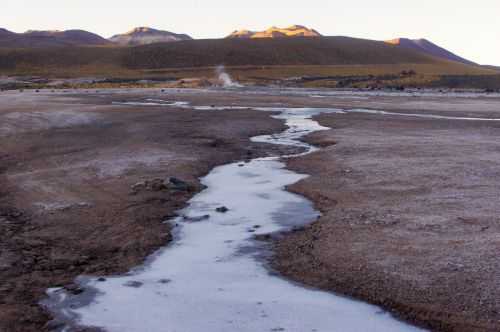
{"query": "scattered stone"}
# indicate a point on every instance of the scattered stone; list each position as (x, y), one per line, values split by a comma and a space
(150, 185)
(222, 209)
(177, 184)
(133, 283)
(156, 185)
(197, 218)
(298, 229)
(74, 289)
(54, 325)
(164, 281)
(138, 186)
(169, 216)
(257, 226)
(263, 237)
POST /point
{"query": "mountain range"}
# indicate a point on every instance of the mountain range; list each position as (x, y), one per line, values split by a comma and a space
(34, 38)
(425, 46)
(146, 35)
(275, 32)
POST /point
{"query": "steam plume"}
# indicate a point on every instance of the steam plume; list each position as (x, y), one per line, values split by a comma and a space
(225, 79)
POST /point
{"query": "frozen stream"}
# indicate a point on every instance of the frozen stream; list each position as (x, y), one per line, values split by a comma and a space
(212, 277)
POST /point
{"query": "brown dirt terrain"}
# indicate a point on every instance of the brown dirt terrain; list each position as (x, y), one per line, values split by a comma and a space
(410, 205)
(67, 170)
(410, 212)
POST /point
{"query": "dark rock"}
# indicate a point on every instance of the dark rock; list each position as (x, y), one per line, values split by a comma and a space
(133, 283)
(177, 184)
(197, 218)
(164, 281)
(156, 185)
(169, 216)
(74, 289)
(54, 325)
(150, 185)
(101, 279)
(222, 209)
(264, 237)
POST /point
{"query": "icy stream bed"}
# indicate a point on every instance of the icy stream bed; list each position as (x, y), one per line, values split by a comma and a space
(213, 278)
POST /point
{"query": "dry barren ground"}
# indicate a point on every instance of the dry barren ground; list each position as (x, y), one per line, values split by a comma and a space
(410, 212)
(410, 205)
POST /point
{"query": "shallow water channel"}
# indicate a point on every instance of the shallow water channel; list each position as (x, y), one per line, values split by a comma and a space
(213, 277)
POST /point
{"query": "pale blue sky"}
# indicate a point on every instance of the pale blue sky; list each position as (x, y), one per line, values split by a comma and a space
(469, 28)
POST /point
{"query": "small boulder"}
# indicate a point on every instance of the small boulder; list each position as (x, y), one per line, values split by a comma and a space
(133, 283)
(74, 289)
(177, 184)
(156, 185)
(164, 281)
(197, 218)
(222, 209)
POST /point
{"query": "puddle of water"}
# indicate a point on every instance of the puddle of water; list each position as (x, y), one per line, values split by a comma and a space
(216, 281)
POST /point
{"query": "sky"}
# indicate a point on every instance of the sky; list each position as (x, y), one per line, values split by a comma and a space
(469, 28)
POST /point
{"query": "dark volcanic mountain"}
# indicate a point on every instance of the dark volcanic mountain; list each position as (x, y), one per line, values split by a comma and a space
(144, 36)
(50, 38)
(5, 32)
(425, 46)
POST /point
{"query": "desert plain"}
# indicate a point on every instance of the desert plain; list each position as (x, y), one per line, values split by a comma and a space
(408, 198)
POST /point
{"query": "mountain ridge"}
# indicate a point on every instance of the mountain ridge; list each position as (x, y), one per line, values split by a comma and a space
(275, 32)
(426, 46)
(147, 35)
(50, 38)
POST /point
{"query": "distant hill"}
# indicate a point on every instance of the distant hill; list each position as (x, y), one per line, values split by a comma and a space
(145, 35)
(269, 51)
(497, 68)
(34, 38)
(423, 45)
(250, 58)
(274, 32)
(5, 32)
